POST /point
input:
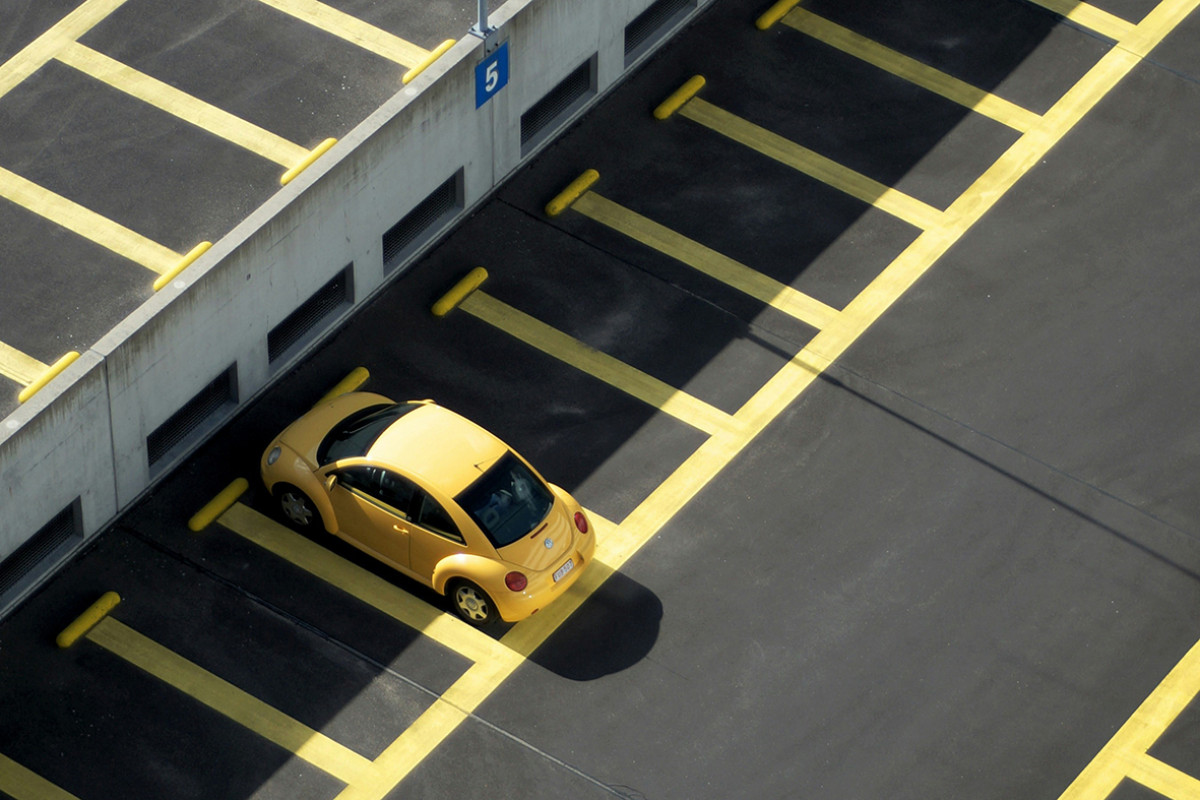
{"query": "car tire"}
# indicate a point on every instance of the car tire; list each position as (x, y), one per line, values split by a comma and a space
(472, 604)
(297, 508)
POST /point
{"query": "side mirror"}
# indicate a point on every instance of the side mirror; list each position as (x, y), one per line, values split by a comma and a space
(330, 482)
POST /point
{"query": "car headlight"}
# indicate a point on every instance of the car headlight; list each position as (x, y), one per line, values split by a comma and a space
(273, 456)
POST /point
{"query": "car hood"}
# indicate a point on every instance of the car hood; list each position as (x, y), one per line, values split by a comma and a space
(531, 552)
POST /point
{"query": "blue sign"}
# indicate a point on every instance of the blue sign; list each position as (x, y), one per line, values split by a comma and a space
(491, 75)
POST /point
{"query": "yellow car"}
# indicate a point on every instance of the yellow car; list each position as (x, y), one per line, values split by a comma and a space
(434, 496)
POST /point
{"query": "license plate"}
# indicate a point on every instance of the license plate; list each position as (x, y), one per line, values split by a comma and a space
(564, 569)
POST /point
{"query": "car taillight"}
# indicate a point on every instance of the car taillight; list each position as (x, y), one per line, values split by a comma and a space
(581, 522)
(515, 581)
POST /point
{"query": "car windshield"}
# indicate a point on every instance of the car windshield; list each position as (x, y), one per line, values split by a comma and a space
(353, 436)
(508, 502)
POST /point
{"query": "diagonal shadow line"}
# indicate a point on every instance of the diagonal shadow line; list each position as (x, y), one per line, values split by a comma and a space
(853, 377)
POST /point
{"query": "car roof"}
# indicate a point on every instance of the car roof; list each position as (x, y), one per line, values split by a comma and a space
(445, 450)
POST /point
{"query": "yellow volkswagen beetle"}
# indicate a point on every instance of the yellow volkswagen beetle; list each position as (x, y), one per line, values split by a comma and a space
(434, 496)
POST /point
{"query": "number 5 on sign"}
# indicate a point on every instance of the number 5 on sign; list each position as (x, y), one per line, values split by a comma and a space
(491, 75)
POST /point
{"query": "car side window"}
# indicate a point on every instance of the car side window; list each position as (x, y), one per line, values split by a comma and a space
(379, 484)
(432, 516)
(396, 491)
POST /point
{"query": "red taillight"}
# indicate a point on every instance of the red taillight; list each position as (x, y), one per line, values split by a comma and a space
(581, 522)
(515, 581)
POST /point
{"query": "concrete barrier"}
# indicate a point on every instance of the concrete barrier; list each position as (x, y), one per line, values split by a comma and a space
(215, 335)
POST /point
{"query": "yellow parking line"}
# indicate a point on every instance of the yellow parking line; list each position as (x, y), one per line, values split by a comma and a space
(225, 698)
(376, 592)
(824, 169)
(24, 784)
(23, 369)
(45, 47)
(616, 373)
(1125, 754)
(1088, 16)
(1163, 778)
(703, 259)
(87, 223)
(911, 70)
(353, 30)
(182, 105)
(714, 455)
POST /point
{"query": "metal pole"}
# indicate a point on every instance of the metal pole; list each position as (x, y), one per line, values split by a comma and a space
(481, 28)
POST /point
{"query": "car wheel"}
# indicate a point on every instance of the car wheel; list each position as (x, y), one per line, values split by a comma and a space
(296, 507)
(473, 604)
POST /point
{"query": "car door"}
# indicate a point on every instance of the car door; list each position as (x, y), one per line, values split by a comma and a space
(372, 508)
(434, 535)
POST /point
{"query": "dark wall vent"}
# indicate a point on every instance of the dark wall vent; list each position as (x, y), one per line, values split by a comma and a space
(197, 417)
(305, 322)
(652, 24)
(49, 540)
(403, 238)
(559, 103)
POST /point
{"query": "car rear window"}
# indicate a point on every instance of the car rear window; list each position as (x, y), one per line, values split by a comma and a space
(508, 501)
(353, 436)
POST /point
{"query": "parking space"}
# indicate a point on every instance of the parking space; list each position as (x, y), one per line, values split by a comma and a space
(137, 132)
(829, 354)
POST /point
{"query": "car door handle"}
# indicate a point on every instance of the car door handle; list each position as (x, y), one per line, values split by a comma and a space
(400, 529)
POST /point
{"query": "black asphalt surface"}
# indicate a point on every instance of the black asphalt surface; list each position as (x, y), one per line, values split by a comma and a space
(953, 567)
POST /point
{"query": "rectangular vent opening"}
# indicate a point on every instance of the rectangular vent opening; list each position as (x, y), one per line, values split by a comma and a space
(415, 229)
(50, 539)
(303, 324)
(652, 24)
(558, 104)
(197, 417)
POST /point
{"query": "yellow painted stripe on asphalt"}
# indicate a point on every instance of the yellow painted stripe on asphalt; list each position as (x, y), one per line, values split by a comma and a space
(911, 70)
(1124, 755)
(18, 366)
(477, 683)
(616, 373)
(225, 698)
(352, 29)
(400, 758)
(1163, 778)
(182, 105)
(826, 170)
(1088, 16)
(45, 47)
(87, 223)
(703, 259)
(21, 783)
(376, 592)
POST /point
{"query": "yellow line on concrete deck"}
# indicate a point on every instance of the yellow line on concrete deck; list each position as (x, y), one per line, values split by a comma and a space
(24, 784)
(778, 295)
(616, 373)
(17, 366)
(357, 582)
(225, 698)
(1088, 16)
(87, 223)
(911, 70)
(45, 47)
(182, 105)
(352, 29)
(826, 170)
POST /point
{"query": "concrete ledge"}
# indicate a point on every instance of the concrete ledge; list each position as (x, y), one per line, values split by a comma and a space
(82, 440)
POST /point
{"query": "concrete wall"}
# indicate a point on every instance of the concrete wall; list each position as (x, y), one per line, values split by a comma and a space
(81, 441)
